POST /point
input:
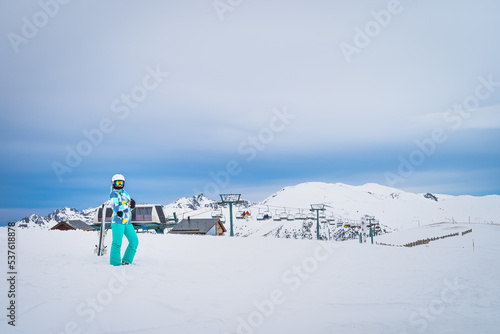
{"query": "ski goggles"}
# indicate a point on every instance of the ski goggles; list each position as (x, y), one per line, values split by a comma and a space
(119, 183)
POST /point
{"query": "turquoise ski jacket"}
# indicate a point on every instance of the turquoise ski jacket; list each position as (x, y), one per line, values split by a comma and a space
(119, 200)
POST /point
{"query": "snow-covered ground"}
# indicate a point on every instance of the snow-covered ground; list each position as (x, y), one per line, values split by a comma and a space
(201, 284)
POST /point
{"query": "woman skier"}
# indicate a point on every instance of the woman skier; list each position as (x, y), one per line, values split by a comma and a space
(121, 222)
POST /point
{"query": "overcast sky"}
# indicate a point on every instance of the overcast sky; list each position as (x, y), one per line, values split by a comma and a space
(245, 96)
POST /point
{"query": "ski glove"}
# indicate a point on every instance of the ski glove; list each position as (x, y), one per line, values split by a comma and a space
(132, 204)
(119, 214)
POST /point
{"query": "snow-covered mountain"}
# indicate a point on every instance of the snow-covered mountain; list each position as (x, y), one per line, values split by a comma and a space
(393, 207)
(191, 203)
(57, 216)
(198, 206)
(185, 205)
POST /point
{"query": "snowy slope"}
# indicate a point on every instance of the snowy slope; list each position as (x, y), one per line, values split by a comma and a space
(393, 207)
(195, 284)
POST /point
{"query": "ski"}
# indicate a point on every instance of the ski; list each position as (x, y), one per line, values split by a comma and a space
(101, 249)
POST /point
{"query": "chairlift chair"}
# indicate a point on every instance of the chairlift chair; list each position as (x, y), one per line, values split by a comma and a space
(283, 215)
(277, 216)
(264, 215)
(301, 215)
(260, 216)
(242, 214)
(217, 213)
(267, 215)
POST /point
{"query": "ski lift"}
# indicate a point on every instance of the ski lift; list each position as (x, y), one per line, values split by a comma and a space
(217, 213)
(322, 214)
(290, 217)
(260, 216)
(265, 216)
(242, 214)
(283, 215)
(277, 216)
(311, 215)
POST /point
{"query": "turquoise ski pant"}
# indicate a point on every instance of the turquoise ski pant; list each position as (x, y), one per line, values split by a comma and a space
(119, 230)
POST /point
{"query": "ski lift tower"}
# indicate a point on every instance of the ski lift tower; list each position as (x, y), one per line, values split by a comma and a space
(230, 199)
(371, 220)
(317, 208)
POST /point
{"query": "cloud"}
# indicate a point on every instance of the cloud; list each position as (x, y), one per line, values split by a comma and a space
(226, 78)
(486, 118)
(453, 182)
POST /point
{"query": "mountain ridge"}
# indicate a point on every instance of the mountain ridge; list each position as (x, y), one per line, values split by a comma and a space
(389, 204)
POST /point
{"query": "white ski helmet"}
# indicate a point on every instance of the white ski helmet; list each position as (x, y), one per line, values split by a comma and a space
(118, 181)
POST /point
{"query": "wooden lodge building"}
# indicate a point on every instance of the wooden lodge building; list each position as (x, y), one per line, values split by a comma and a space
(71, 225)
(204, 226)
